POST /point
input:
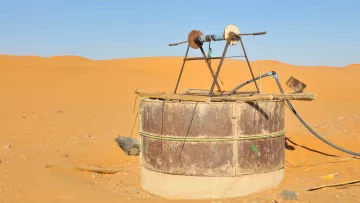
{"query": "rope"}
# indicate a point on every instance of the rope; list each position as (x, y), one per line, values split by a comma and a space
(210, 139)
(139, 99)
(209, 52)
(192, 118)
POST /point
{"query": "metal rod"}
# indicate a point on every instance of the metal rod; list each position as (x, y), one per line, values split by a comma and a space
(210, 69)
(247, 60)
(218, 70)
(253, 34)
(182, 68)
(217, 57)
(221, 37)
(175, 44)
(260, 80)
(208, 38)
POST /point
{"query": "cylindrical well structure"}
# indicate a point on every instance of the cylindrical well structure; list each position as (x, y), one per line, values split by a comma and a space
(200, 150)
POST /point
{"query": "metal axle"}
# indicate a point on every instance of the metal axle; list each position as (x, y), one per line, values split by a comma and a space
(218, 37)
(232, 36)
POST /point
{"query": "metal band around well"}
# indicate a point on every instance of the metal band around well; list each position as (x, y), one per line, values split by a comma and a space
(210, 139)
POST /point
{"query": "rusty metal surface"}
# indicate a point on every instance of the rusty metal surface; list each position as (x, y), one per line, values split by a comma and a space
(173, 119)
(260, 156)
(201, 159)
(211, 120)
(261, 117)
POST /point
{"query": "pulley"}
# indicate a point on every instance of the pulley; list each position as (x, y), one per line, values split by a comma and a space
(196, 37)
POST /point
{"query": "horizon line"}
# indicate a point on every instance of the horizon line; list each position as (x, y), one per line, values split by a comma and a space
(142, 57)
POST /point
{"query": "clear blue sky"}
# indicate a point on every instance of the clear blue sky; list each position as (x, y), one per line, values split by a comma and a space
(306, 32)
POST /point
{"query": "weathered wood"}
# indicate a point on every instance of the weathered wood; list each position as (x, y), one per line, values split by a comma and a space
(295, 84)
(242, 98)
(335, 184)
(200, 92)
(87, 168)
(163, 95)
(277, 96)
(201, 96)
(216, 139)
(184, 97)
(296, 96)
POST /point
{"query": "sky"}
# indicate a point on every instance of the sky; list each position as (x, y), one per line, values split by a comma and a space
(306, 32)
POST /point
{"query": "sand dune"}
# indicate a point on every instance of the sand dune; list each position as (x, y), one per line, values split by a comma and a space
(67, 110)
(69, 58)
(353, 67)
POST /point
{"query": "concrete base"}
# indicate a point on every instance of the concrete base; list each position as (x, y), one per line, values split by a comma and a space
(196, 187)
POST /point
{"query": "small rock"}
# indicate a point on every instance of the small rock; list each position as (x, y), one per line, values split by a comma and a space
(134, 190)
(59, 111)
(341, 117)
(288, 195)
(7, 146)
(88, 136)
(95, 175)
(337, 196)
(65, 155)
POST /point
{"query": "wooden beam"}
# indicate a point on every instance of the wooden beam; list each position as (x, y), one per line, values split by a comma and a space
(296, 96)
(335, 184)
(277, 96)
(202, 92)
(202, 97)
(242, 98)
(163, 95)
(197, 92)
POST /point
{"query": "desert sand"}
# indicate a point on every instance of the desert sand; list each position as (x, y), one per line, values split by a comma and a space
(67, 111)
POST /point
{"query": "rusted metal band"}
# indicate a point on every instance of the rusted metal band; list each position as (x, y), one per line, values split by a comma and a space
(210, 139)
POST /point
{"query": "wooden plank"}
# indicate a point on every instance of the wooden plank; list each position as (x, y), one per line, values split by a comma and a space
(276, 96)
(335, 184)
(202, 92)
(242, 98)
(197, 92)
(202, 97)
(163, 95)
(297, 96)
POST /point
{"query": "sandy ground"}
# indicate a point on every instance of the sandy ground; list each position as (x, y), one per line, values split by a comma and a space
(67, 111)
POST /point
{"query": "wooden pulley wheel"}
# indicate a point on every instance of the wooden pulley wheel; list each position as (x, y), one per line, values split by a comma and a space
(234, 29)
(194, 34)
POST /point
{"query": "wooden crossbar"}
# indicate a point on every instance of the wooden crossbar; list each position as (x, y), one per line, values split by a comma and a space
(202, 96)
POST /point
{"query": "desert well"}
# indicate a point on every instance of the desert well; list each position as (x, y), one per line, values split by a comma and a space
(202, 144)
(211, 149)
